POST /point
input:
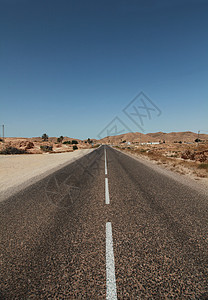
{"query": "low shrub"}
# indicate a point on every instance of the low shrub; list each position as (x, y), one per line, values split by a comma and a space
(203, 166)
(143, 150)
(67, 142)
(60, 139)
(74, 142)
(45, 137)
(13, 150)
(46, 148)
(75, 147)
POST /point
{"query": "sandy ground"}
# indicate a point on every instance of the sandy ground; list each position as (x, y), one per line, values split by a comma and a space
(19, 171)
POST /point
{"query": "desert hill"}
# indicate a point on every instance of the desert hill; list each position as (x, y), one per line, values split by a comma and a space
(171, 137)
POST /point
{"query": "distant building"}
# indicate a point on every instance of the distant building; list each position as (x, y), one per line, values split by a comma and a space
(150, 143)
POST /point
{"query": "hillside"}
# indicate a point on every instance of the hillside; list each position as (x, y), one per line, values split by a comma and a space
(171, 137)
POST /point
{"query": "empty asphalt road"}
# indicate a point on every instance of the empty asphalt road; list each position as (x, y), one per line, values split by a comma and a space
(105, 227)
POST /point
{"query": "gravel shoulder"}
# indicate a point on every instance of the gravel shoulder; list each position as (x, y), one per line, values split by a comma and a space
(20, 171)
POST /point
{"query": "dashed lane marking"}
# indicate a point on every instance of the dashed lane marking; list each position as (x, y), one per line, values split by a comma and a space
(111, 292)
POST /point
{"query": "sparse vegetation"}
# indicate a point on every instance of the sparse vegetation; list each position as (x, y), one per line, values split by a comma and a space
(143, 150)
(197, 140)
(67, 143)
(60, 139)
(74, 142)
(89, 141)
(75, 147)
(46, 148)
(45, 137)
(13, 150)
(203, 166)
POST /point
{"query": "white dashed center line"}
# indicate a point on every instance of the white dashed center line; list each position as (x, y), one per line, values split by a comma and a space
(111, 293)
(107, 198)
(106, 172)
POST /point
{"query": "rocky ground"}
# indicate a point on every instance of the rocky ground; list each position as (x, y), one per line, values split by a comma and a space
(38, 146)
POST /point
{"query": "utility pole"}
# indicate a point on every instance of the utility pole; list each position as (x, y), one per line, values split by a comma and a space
(3, 132)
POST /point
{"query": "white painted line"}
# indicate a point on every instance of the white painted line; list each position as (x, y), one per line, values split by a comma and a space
(107, 198)
(106, 172)
(111, 293)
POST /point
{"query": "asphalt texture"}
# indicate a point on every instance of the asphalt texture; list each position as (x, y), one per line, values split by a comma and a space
(53, 234)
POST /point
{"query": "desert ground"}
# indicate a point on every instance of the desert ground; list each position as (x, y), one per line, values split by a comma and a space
(24, 169)
(37, 145)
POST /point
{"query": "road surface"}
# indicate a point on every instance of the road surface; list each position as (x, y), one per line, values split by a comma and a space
(105, 227)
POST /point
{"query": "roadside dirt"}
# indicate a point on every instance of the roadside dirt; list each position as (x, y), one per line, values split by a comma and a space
(16, 170)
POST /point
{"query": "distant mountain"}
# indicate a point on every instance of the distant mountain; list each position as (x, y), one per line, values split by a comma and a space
(186, 136)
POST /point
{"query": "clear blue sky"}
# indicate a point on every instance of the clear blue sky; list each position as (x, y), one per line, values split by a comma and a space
(69, 67)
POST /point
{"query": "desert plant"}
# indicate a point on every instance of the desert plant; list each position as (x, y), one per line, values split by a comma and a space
(74, 142)
(96, 146)
(45, 137)
(197, 140)
(13, 150)
(67, 142)
(89, 141)
(46, 148)
(143, 150)
(203, 166)
(75, 147)
(60, 139)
